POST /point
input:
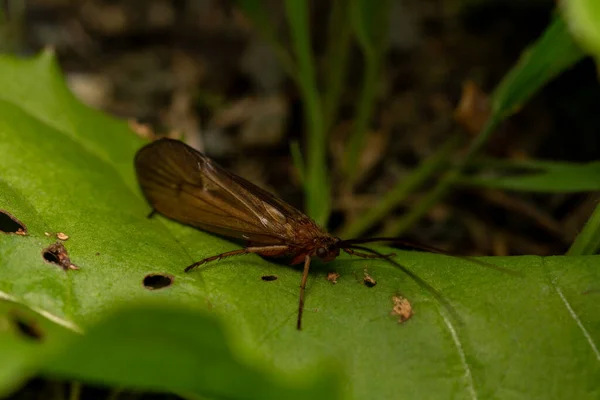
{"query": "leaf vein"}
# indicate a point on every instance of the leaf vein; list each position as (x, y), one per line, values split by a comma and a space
(579, 323)
(468, 376)
(46, 314)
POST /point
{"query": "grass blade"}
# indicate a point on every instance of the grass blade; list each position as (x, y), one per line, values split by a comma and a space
(370, 25)
(317, 190)
(536, 176)
(551, 54)
(398, 194)
(255, 10)
(338, 48)
(588, 240)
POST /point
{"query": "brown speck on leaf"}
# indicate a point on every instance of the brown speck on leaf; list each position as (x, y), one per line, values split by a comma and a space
(20, 232)
(57, 254)
(368, 279)
(62, 236)
(402, 308)
(332, 277)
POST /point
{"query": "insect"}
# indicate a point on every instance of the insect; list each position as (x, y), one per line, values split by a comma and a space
(186, 186)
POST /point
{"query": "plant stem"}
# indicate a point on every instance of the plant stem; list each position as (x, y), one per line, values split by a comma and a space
(444, 185)
(396, 196)
(297, 159)
(371, 30)
(338, 47)
(258, 14)
(75, 393)
(365, 108)
(317, 193)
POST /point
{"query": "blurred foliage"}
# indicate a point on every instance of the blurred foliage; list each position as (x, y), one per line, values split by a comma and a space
(582, 17)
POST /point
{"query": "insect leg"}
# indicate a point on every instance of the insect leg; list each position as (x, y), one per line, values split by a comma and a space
(302, 287)
(365, 255)
(263, 250)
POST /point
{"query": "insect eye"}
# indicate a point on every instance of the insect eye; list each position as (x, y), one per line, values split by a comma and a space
(322, 252)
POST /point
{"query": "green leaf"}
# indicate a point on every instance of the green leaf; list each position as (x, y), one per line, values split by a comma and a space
(153, 347)
(582, 17)
(133, 347)
(66, 168)
(536, 176)
(21, 349)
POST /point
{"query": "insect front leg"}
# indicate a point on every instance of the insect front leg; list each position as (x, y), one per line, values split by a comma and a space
(302, 290)
(262, 250)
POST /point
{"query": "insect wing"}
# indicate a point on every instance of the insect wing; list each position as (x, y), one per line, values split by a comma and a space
(183, 184)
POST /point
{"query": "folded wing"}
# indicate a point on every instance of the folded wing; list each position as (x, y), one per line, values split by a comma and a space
(183, 184)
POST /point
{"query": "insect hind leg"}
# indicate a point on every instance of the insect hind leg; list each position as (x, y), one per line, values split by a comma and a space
(263, 250)
(215, 258)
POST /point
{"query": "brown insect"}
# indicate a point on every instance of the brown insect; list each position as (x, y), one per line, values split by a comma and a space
(186, 186)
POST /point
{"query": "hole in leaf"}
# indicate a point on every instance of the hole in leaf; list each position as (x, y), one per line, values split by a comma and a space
(269, 278)
(10, 224)
(27, 328)
(57, 254)
(158, 281)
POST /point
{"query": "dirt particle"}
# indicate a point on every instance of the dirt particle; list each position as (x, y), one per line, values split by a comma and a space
(10, 224)
(157, 281)
(27, 329)
(269, 278)
(368, 279)
(62, 236)
(402, 308)
(332, 277)
(57, 254)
